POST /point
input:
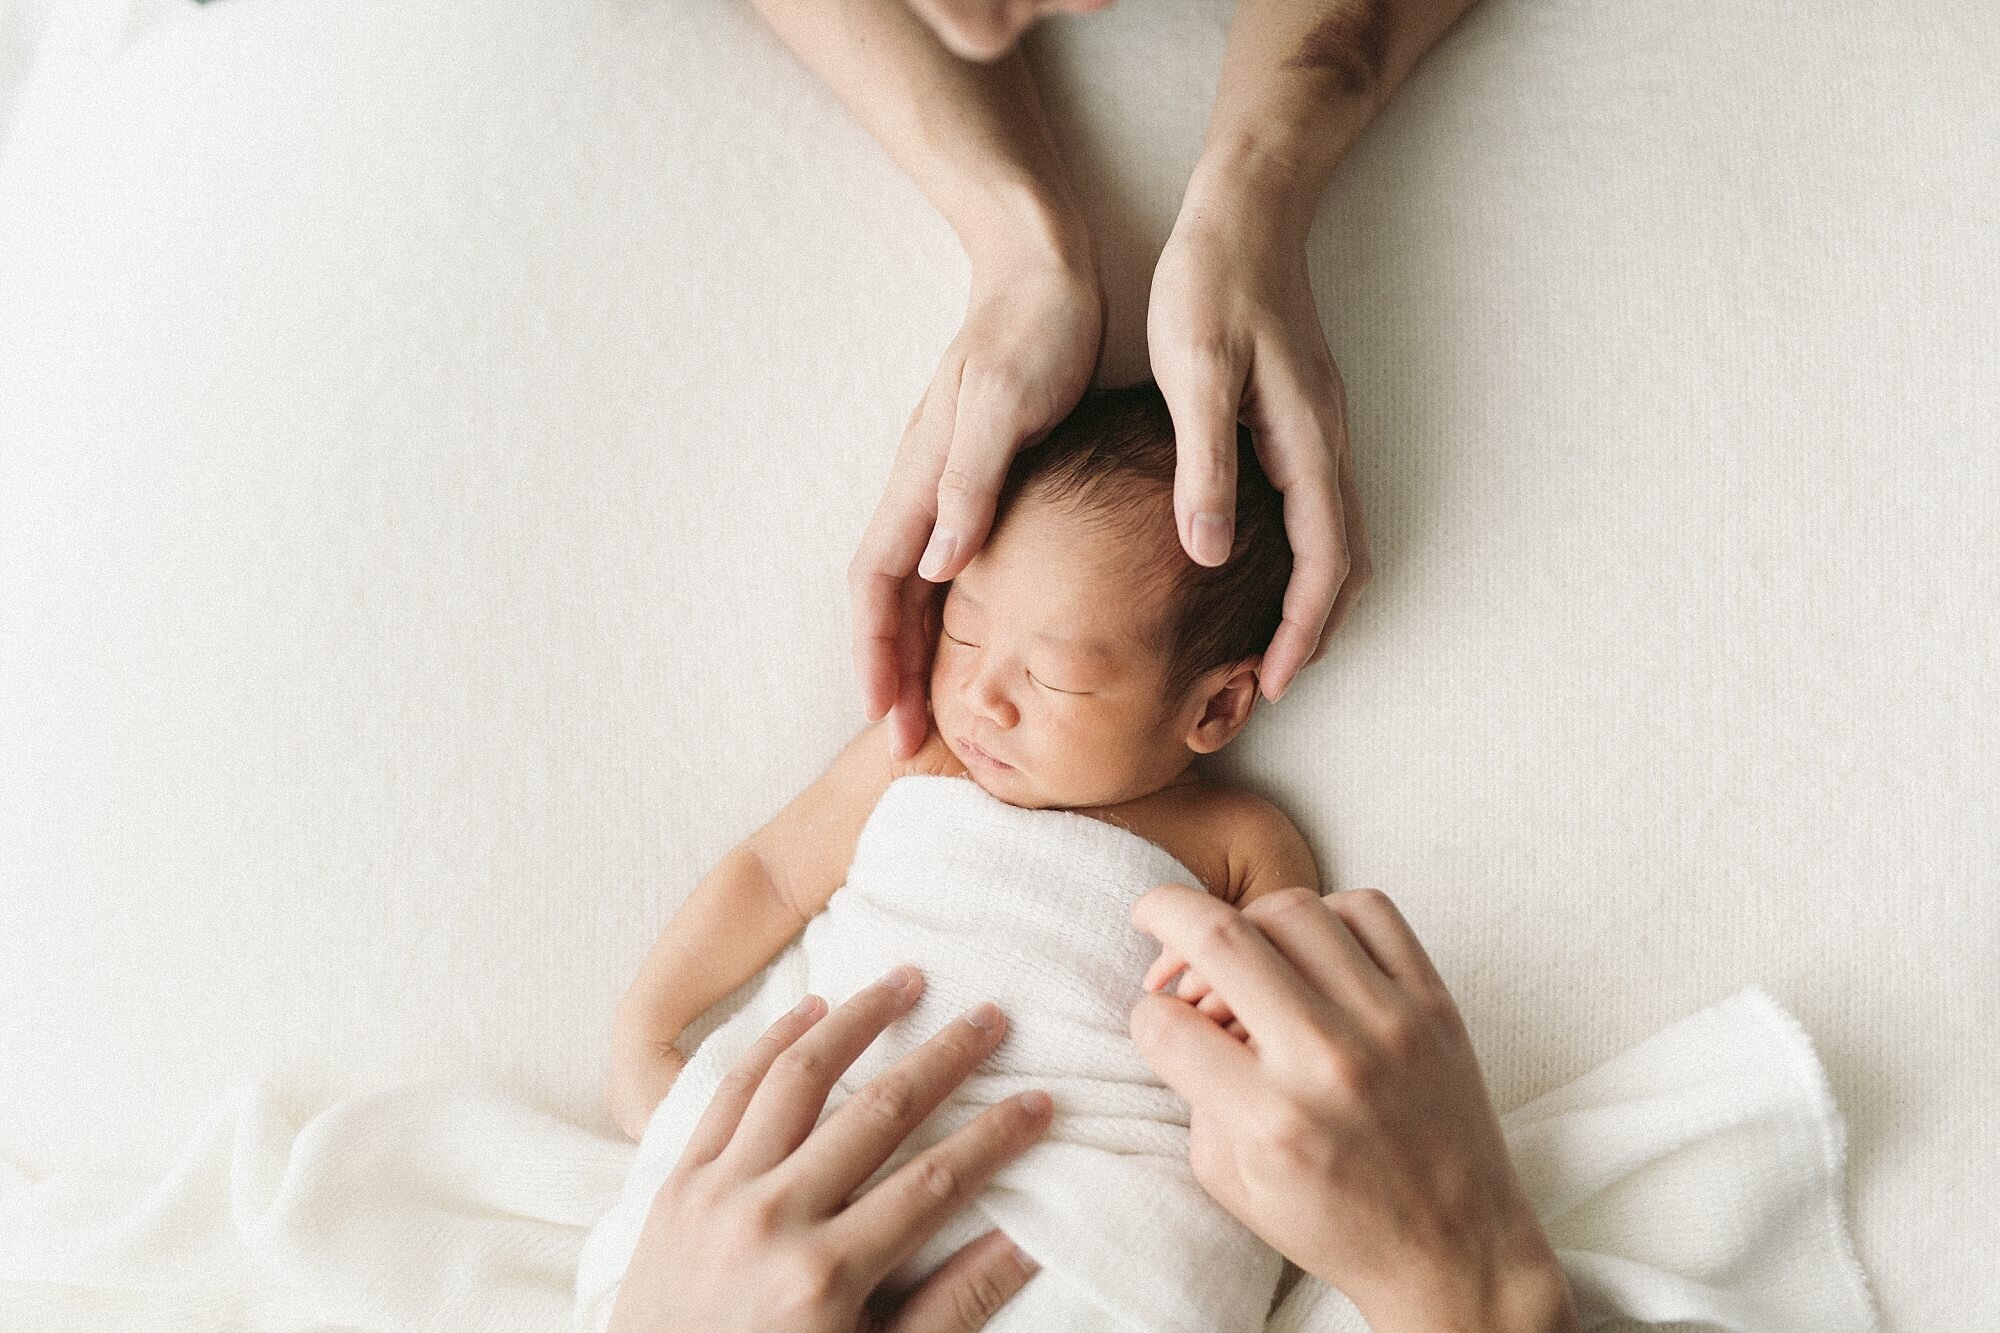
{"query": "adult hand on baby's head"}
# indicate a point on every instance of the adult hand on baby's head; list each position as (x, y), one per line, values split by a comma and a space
(1020, 362)
(1350, 1128)
(756, 1230)
(1233, 335)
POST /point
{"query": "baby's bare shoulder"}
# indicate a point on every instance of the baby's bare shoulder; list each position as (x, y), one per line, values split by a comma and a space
(1254, 838)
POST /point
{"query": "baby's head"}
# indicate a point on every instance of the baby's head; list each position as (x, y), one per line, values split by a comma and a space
(1084, 659)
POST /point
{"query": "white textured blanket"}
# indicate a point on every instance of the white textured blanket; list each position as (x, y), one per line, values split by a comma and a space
(1027, 908)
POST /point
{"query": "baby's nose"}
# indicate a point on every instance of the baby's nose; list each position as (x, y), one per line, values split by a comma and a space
(990, 701)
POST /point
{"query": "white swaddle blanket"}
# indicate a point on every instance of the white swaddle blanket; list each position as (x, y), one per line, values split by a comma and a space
(1027, 908)
(1696, 1176)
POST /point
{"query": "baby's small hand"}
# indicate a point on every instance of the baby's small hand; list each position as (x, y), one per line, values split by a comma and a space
(1195, 991)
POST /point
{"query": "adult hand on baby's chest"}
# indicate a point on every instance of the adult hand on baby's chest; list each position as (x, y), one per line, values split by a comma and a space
(760, 1225)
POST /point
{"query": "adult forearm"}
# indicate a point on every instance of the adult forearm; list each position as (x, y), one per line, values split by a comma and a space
(1301, 79)
(972, 136)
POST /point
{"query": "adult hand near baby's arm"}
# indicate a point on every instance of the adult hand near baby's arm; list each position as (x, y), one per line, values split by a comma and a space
(1351, 1129)
(755, 1229)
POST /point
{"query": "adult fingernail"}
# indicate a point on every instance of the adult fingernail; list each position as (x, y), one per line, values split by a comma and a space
(984, 1016)
(1037, 1103)
(900, 978)
(1027, 1261)
(938, 554)
(1212, 536)
(807, 1005)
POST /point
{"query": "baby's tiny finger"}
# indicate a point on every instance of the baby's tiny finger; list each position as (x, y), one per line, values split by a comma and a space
(1162, 971)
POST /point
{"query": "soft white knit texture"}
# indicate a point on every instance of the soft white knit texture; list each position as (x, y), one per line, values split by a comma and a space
(432, 436)
(1028, 908)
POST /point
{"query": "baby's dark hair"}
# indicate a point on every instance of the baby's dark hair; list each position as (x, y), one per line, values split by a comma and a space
(1113, 460)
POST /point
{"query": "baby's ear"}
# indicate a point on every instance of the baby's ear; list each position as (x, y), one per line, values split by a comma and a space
(1228, 695)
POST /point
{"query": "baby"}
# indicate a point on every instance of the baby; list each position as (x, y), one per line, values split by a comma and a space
(1084, 663)
(1084, 667)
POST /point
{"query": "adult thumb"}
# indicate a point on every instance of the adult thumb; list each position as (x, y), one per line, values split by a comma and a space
(967, 1290)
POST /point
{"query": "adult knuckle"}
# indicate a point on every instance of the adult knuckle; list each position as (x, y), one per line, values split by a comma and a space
(737, 1083)
(810, 1277)
(1223, 933)
(1402, 1033)
(1209, 471)
(1437, 1005)
(1355, 1073)
(980, 1297)
(771, 1204)
(956, 486)
(698, 1189)
(1282, 903)
(801, 1064)
(1373, 900)
(1285, 1128)
(885, 1102)
(937, 1178)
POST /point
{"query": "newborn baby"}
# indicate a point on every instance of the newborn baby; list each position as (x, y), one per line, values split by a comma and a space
(1084, 667)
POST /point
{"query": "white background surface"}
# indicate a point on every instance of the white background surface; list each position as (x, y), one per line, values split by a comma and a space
(432, 437)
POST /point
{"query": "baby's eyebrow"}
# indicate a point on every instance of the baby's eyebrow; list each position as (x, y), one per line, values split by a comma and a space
(1095, 650)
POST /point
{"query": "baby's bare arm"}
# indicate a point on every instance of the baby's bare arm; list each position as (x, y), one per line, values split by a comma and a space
(755, 901)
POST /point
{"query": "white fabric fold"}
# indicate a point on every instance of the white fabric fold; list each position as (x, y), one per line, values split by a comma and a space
(427, 1206)
(1695, 1177)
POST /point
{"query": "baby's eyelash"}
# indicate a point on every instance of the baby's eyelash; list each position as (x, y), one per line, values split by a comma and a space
(1031, 675)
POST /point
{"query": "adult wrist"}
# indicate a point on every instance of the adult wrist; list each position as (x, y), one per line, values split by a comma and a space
(1521, 1290)
(1266, 165)
(1024, 222)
